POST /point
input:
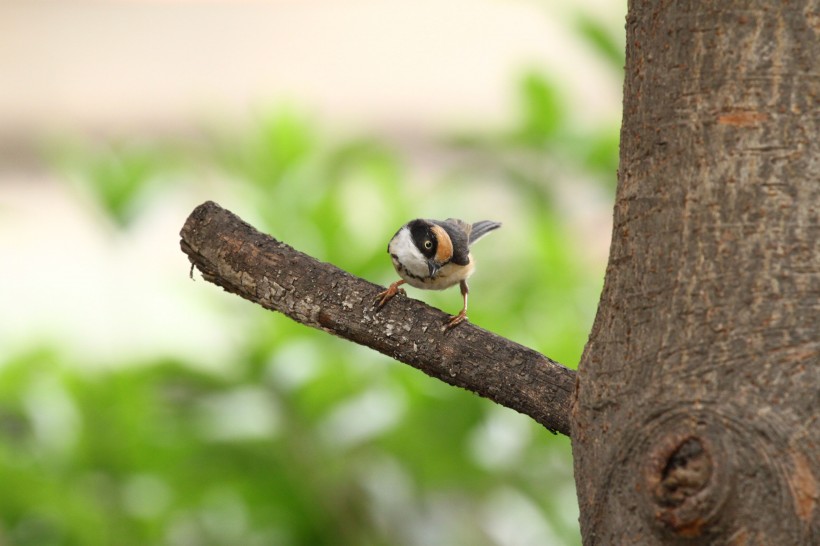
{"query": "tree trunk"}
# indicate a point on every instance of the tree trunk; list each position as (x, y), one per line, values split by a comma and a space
(695, 419)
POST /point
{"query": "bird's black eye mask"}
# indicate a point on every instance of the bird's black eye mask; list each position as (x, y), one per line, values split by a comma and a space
(424, 238)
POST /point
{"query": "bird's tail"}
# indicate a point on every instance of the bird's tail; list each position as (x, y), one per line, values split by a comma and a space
(482, 228)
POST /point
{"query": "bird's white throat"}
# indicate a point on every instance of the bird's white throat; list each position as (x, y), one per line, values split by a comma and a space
(405, 251)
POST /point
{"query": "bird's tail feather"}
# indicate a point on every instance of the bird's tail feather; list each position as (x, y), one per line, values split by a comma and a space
(482, 228)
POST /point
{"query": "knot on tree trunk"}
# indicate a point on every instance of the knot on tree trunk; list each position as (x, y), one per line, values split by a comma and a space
(686, 483)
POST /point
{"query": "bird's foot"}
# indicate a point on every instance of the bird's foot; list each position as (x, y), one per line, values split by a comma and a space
(455, 320)
(387, 295)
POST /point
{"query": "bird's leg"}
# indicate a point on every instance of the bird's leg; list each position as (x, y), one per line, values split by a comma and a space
(462, 315)
(392, 290)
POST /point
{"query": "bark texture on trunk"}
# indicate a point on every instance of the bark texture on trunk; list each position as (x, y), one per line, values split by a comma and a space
(695, 419)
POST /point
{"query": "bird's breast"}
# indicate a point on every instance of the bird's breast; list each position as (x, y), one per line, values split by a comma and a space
(449, 275)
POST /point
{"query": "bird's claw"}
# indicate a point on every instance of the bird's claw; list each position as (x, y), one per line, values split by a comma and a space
(455, 320)
(387, 295)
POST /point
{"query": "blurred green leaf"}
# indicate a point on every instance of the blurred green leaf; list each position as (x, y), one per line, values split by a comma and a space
(542, 109)
(601, 154)
(120, 177)
(278, 144)
(601, 39)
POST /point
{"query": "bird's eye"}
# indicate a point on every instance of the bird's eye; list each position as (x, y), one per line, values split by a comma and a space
(428, 244)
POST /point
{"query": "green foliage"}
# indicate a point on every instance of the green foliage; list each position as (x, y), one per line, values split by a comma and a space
(119, 177)
(602, 39)
(274, 150)
(543, 110)
(310, 440)
(544, 139)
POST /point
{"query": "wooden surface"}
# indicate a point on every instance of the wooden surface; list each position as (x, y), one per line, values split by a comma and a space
(696, 419)
(257, 267)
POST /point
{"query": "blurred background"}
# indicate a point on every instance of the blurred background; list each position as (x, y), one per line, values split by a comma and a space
(139, 407)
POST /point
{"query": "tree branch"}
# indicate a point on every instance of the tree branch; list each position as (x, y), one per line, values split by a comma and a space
(240, 259)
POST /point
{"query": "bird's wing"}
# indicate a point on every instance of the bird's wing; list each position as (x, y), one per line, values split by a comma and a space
(459, 232)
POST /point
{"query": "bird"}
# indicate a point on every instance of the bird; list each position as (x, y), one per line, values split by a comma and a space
(435, 255)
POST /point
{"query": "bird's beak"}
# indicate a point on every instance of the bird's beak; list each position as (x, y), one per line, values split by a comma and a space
(433, 268)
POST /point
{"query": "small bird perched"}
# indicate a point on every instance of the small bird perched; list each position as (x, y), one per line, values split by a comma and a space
(434, 255)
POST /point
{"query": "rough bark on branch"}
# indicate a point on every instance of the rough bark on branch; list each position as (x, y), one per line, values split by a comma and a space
(240, 259)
